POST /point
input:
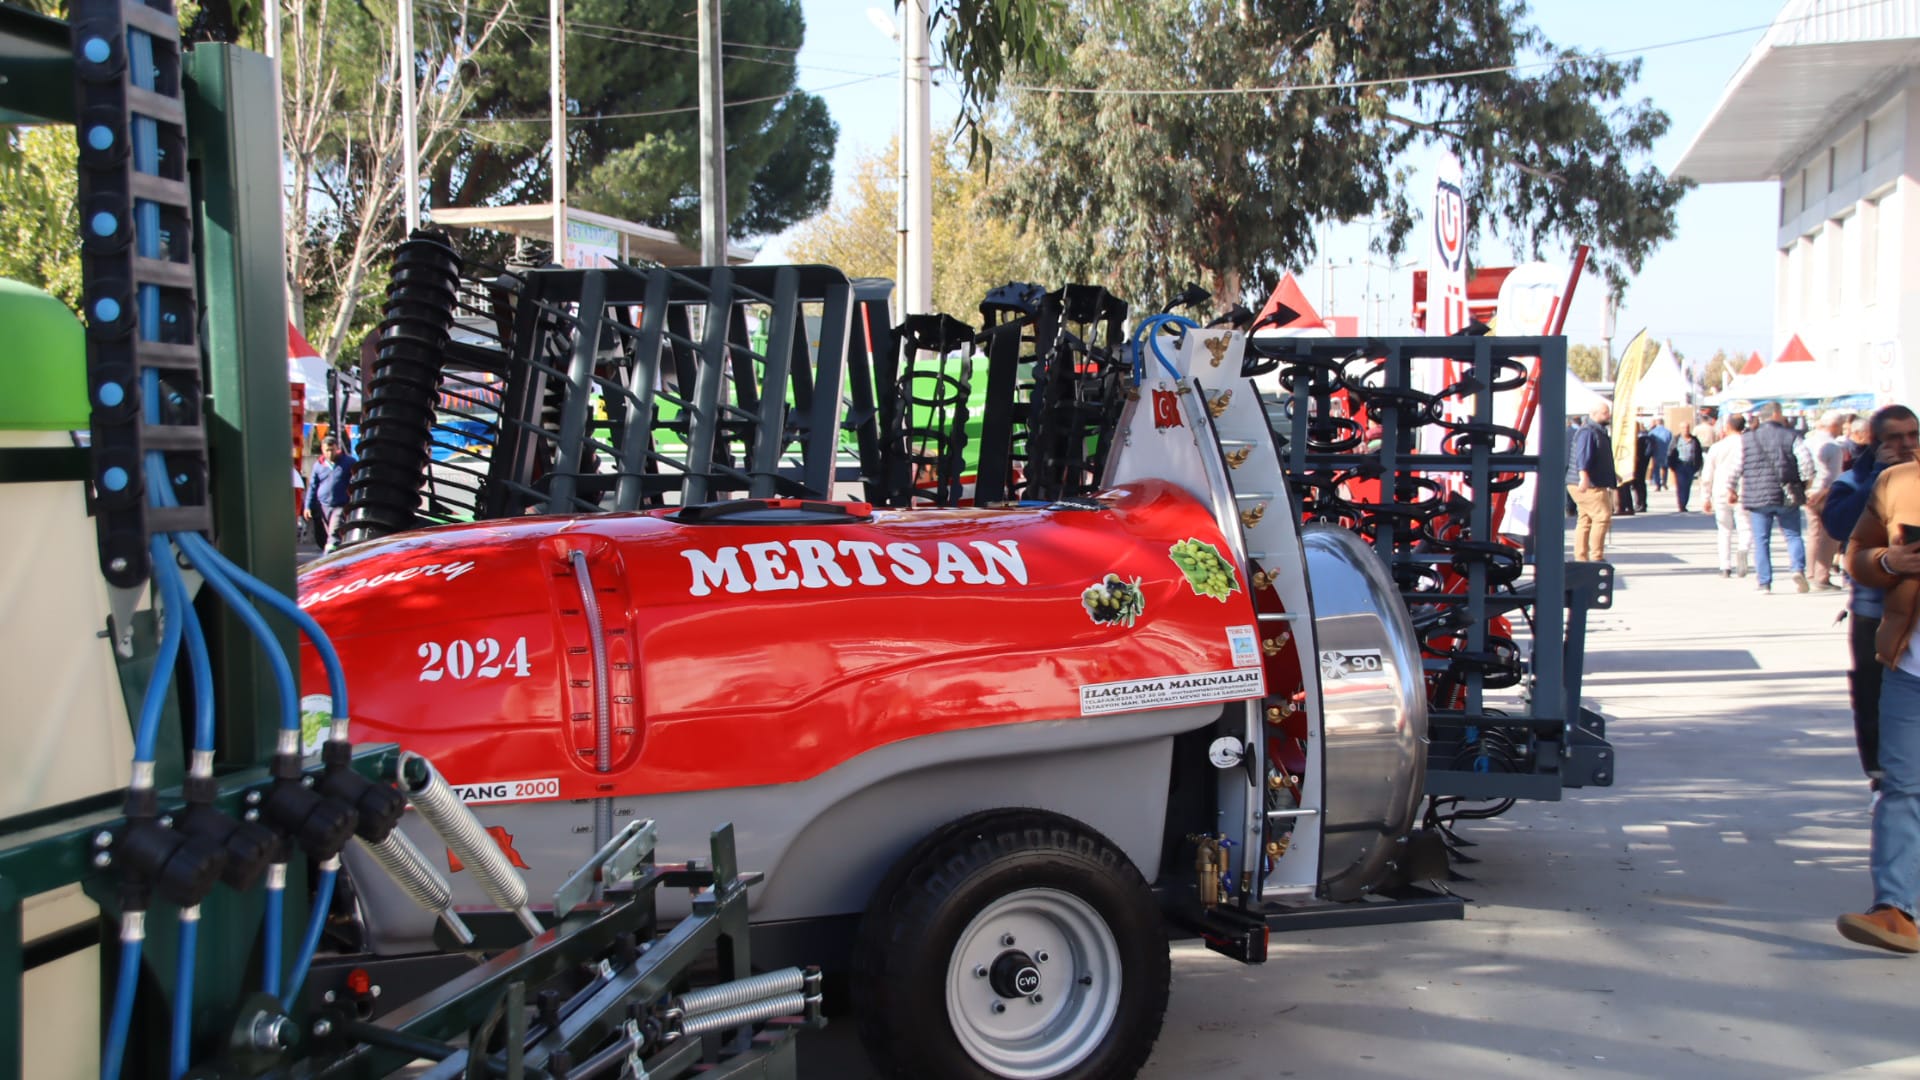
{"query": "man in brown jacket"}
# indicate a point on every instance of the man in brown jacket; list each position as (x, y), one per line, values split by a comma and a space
(1881, 557)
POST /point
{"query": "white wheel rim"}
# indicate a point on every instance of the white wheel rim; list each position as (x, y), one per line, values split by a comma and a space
(1078, 966)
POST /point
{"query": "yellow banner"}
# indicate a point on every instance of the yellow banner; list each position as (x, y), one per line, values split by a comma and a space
(1634, 362)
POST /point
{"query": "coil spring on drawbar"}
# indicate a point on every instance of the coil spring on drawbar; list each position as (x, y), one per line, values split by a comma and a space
(410, 870)
(740, 992)
(397, 415)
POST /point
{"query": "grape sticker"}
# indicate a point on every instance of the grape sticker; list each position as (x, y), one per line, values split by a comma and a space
(1207, 571)
(316, 720)
(1114, 600)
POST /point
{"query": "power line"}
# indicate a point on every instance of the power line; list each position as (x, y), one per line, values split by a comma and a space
(630, 36)
(675, 111)
(1408, 80)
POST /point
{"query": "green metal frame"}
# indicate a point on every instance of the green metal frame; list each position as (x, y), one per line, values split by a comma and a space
(38, 59)
(232, 133)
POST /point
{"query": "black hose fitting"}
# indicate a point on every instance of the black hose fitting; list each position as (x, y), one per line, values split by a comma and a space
(377, 807)
(157, 859)
(319, 826)
(248, 846)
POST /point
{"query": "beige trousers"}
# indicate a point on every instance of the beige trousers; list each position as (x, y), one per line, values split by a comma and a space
(1596, 518)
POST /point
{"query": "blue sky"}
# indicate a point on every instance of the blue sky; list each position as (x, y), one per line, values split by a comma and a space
(1709, 287)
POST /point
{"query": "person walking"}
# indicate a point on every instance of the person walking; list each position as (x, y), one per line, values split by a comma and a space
(1880, 557)
(1894, 437)
(1770, 485)
(1734, 532)
(1591, 482)
(327, 494)
(1659, 448)
(1828, 447)
(1684, 458)
(1642, 464)
(1859, 440)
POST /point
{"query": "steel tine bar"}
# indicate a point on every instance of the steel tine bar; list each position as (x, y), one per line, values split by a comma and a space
(643, 381)
(703, 432)
(573, 414)
(829, 387)
(769, 432)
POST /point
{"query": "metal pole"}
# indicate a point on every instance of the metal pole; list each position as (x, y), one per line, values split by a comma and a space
(409, 113)
(903, 179)
(713, 140)
(917, 294)
(296, 309)
(557, 106)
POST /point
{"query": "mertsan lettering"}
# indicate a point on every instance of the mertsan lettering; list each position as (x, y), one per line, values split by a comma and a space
(818, 564)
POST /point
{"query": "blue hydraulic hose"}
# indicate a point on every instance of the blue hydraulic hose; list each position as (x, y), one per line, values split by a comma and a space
(1148, 331)
(260, 590)
(175, 590)
(276, 916)
(196, 548)
(148, 728)
(183, 993)
(322, 900)
(121, 1021)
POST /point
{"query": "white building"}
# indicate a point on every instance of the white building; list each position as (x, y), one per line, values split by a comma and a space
(1828, 104)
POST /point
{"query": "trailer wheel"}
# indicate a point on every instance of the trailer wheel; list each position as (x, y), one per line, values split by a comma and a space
(1013, 944)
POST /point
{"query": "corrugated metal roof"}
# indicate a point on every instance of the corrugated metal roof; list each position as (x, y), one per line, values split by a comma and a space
(1833, 22)
(1820, 60)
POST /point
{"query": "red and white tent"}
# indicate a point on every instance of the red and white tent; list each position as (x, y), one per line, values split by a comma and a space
(1290, 313)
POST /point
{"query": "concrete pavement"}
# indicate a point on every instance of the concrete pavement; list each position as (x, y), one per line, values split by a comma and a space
(1677, 924)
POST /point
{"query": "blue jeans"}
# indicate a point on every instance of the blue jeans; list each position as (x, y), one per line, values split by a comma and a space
(1896, 817)
(1763, 519)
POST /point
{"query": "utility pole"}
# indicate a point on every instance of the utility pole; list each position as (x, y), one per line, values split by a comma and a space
(1608, 314)
(916, 151)
(557, 104)
(409, 113)
(713, 140)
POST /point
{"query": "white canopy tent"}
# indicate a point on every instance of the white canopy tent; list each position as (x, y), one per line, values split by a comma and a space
(1581, 398)
(1662, 384)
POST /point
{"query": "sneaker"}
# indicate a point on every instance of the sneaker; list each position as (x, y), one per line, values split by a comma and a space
(1799, 581)
(1883, 926)
(1826, 586)
(1765, 587)
(1726, 574)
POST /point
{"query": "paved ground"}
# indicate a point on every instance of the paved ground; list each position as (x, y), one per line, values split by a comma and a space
(1677, 924)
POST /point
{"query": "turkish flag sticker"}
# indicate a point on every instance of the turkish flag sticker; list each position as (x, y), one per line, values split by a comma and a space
(501, 837)
(1166, 409)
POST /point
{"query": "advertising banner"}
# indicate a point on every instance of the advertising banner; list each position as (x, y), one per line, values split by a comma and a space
(1634, 362)
(591, 247)
(1529, 299)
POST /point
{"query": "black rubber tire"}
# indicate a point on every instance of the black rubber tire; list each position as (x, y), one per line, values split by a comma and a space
(919, 910)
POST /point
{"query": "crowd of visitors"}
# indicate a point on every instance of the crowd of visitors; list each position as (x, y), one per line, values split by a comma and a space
(1844, 496)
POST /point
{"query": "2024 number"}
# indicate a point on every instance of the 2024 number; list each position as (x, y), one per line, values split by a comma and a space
(480, 659)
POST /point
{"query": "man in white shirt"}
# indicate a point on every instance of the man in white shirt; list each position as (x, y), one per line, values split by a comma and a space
(1829, 452)
(1723, 465)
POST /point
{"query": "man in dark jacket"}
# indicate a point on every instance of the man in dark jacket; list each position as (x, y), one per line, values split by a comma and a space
(1771, 484)
(1894, 437)
(1590, 481)
(327, 494)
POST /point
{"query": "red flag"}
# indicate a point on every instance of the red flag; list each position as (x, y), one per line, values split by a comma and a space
(501, 837)
(1166, 409)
